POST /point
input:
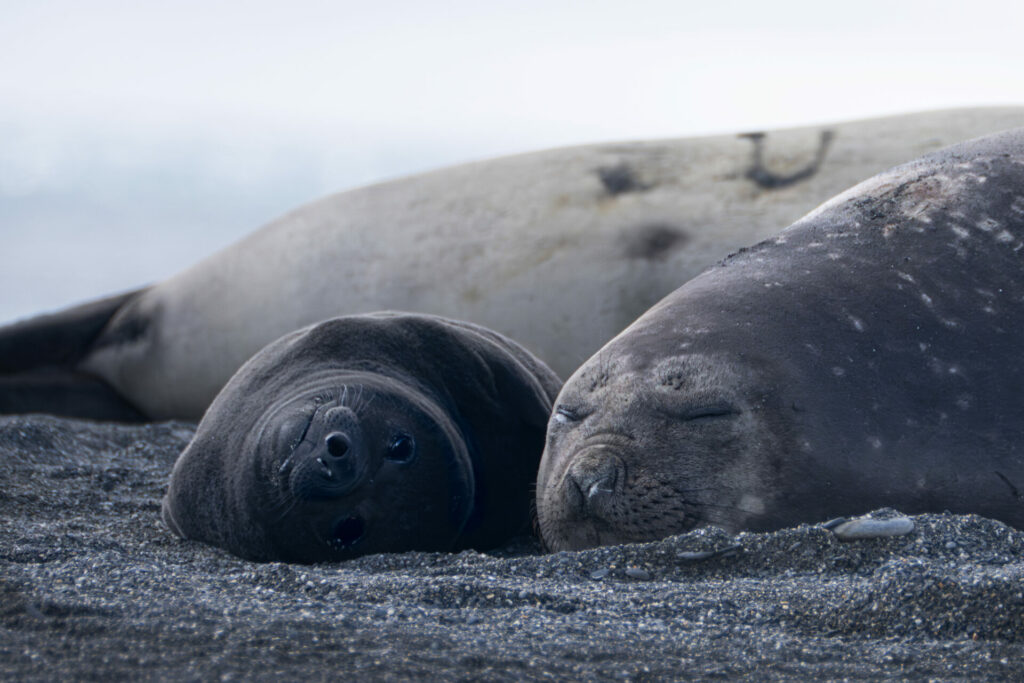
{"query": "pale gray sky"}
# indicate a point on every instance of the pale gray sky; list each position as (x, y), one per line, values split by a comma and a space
(138, 136)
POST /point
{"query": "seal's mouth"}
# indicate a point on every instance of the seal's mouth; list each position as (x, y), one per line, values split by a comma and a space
(347, 532)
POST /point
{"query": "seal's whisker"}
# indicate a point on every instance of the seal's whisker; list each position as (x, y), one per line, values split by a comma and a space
(357, 396)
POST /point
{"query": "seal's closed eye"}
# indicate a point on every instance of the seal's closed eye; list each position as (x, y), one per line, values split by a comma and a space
(564, 414)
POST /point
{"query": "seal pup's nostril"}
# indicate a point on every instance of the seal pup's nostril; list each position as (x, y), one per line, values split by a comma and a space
(337, 444)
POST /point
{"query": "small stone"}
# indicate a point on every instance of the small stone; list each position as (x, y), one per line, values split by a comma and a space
(694, 555)
(638, 574)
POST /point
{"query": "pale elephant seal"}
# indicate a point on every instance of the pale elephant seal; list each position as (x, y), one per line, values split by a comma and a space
(868, 356)
(559, 250)
(367, 434)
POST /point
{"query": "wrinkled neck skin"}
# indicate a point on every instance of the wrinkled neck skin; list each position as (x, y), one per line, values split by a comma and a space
(667, 428)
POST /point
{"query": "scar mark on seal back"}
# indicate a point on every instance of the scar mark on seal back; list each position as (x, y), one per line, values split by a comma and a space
(654, 241)
(620, 179)
(773, 181)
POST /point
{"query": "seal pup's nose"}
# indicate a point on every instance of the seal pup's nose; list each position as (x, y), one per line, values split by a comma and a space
(592, 480)
(327, 466)
(337, 462)
(337, 444)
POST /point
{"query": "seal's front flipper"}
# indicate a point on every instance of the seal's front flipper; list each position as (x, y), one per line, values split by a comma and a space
(39, 361)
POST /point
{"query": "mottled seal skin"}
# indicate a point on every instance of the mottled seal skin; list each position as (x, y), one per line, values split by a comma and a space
(868, 356)
(365, 434)
(559, 250)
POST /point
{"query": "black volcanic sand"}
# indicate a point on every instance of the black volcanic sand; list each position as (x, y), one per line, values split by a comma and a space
(92, 586)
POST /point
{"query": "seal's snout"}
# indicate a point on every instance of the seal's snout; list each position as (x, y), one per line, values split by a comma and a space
(332, 460)
(593, 480)
(339, 465)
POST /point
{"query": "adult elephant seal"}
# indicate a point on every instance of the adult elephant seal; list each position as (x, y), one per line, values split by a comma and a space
(367, 434)
(868, 356)
(560, 250)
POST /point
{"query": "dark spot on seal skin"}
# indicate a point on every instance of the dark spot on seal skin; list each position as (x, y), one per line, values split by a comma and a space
(654, 241)
(1013, 489)
(599, 380)
(773, 181)
(620, 179)
(882, 207)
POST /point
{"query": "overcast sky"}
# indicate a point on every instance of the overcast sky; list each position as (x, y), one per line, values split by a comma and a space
(137, 136)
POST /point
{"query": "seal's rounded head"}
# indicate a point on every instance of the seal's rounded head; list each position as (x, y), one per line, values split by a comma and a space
(647, 441)
(366, 434)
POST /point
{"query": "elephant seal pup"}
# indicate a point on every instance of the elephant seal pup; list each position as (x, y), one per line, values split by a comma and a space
(868, 356)
(559, 250)
(366, 434)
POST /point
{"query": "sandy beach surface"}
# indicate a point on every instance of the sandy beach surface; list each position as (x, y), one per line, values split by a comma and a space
(92, 586)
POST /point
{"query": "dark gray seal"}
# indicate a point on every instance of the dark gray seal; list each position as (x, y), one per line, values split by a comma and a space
(365, 434)
(868, 356)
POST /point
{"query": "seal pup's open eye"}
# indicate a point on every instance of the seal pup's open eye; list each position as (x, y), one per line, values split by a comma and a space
(402, 449)
(564, 414)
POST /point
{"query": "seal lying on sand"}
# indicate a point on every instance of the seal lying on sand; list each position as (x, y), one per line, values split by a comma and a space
(868, 356)
(560, 250)
(365, 434)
